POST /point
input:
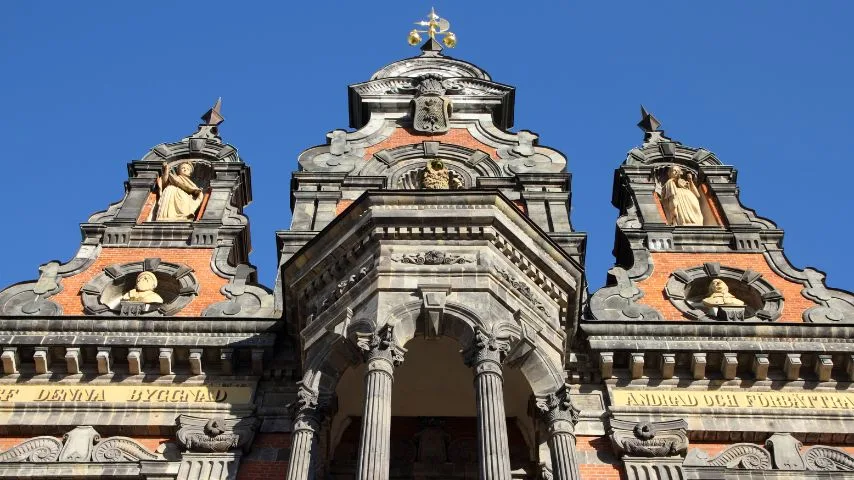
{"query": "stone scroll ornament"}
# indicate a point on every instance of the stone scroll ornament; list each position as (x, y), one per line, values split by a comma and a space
(215, 435)
(782, 452)
(649, 439)
(81, 445)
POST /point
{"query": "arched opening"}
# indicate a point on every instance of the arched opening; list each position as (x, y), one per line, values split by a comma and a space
(433, 427)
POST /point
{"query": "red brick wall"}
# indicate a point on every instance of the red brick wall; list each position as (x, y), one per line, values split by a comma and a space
(597, 471)
(147, 207)
(407, 136)
(665, 263)
(197, 258)
(261, 467)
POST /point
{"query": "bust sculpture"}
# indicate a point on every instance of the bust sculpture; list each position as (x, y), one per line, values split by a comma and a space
(436, 176)
(680, 199)
(144, 292)
(180, 197)
(719, 296)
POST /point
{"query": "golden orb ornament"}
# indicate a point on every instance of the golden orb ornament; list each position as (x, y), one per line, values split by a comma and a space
(414, 38)
(450, 40)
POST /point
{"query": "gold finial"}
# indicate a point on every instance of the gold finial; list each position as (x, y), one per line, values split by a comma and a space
(435, 25)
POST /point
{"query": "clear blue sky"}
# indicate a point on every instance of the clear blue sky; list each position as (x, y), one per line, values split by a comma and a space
(89, 85)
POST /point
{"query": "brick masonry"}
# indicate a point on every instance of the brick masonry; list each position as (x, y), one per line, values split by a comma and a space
(596, 460)
(198, 259)
(664, 263)
(268, 459)
(407, 136)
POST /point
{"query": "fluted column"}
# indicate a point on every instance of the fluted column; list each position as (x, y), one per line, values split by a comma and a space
(307, 414)
(485, 356)
(381, 354)
(560, 417)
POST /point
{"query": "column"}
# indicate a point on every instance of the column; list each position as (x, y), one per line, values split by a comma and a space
(307, 415)
(381, 354)
(560, 417)
(485, 356)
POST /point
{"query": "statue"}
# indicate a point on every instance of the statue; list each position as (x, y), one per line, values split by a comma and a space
(180, 198)
(719, 296)
(144, 292)
(680, 199)
(437, 177)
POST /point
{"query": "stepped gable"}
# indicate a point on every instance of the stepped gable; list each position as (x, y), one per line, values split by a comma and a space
(181, 220)
(682, 226)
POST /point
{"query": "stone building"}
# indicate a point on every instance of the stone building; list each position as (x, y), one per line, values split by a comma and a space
(431, 318)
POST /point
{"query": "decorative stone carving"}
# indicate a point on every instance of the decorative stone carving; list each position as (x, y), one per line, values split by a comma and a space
(820, 458)
(82, 445)
(618, 302)
(198, 434)
(523, 288)
(342, 287)
(432, 257)
(784, 455)
(524, 157)
(742, 456)
(785, 451)
(180, 197)
(144, 290)
(649, 439)
(681, 199)
(436, 176)
(558, 407)
(697, 292)
(835, 306)
(431, 110)
(245, 298)
(33, 300)
(380, 343)
(111, 293)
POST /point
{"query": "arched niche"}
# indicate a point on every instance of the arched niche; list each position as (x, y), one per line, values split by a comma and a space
(176, 285)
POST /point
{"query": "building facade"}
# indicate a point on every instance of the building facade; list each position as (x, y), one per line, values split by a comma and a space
(431, 317)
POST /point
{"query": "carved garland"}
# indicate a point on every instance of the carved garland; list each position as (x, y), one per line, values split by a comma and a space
(524, 289)
(432, 257)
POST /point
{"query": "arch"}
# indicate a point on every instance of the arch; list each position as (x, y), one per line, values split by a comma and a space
(329, 358)
(476, 163)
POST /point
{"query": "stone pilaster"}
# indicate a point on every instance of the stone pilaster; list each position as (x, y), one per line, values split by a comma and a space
(560, 416)
(307, 414)
(485, 356)
(382, 354)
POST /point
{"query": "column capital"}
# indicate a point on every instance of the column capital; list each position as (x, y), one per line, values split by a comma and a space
(486, 347)
(379, 348)
(557, 410)
(308, 410)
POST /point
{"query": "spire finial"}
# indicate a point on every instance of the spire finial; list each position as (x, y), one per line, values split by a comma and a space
(648, 122)
(435, 25)
(213, 117)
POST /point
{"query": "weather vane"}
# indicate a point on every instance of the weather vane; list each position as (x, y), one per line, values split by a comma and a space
(435, 24)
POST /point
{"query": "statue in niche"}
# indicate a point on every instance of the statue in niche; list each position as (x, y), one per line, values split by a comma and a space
(180, 197)
(719, 296)
(437, 177)
(681, 199)
(144, 292)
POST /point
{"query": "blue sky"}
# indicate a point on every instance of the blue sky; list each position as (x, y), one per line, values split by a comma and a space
(89, 86)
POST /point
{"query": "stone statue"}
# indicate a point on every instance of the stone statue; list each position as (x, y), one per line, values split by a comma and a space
(680, 199)
(719, 296)
(437, 177)
(144, 292)
(180, 198)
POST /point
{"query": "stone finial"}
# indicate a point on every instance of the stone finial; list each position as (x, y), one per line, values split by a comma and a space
(648, 122)
(213, 117)
(208, 435)
(649, 439)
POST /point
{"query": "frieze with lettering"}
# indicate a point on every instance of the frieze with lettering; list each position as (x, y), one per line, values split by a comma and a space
(233, 393)
(824, 400)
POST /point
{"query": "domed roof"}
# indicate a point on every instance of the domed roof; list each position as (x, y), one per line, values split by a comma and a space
(431, 61)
